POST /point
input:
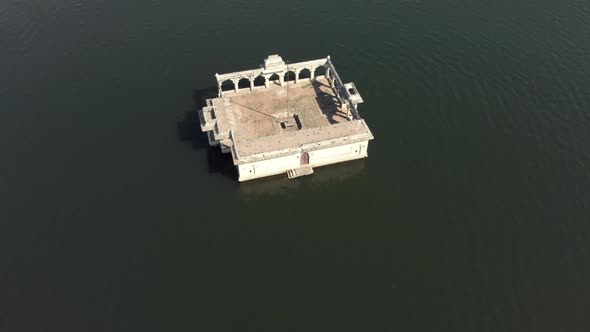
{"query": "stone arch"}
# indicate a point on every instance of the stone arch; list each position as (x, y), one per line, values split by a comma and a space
(244, 83)
(260, 81)
(319, 71)
(227, 85)
(274, 78)
(304, 73)
(289, 76)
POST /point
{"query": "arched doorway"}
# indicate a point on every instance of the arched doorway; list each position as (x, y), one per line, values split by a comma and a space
(305, 73)
(304, 159)
(274, 79)
(319, 71)
(289, 76)
(259, 81)
(227, 85)
(244, 83)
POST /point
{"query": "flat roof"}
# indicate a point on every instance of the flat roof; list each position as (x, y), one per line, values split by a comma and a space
(255, 119)
(309, 139)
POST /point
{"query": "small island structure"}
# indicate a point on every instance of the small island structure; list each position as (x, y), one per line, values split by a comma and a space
(285, 118)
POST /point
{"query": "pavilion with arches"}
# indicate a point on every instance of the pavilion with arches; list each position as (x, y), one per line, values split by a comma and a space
(275, 71)
(285, 118)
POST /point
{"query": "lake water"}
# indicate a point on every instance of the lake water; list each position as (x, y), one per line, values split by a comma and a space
(470, 214)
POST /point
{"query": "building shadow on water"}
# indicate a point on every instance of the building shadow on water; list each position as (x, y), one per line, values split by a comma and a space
(189, 131)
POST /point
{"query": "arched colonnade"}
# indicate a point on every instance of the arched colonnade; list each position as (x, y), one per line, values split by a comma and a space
(264, 77)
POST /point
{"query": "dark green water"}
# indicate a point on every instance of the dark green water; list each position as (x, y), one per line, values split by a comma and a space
(471, 213)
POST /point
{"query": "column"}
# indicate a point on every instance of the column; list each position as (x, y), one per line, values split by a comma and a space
(251, 83)
(218, 85)
(281, 78)
(327, 72)
(266, 81)
(235, 85)
(311, 73)
(296, 76)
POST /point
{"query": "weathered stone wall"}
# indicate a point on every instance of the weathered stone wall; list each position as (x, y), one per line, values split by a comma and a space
(316, 158)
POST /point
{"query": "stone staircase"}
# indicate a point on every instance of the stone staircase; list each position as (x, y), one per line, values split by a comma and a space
(300, 171)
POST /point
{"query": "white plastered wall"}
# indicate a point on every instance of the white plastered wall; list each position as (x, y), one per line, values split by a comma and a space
(316, 158)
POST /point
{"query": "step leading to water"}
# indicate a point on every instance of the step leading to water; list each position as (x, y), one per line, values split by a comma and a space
(300, 171)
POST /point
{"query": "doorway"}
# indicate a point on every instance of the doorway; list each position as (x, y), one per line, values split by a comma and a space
(304, 160)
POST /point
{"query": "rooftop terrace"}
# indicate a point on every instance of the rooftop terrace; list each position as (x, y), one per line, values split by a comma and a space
(286, 114)
(261, 112)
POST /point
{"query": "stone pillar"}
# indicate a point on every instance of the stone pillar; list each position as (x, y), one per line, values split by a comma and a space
(235, 85)
(296, 76)
(267, 81)
(282, 78)
(327, 72)
(218, 85)
(251, 83)
(311, 73)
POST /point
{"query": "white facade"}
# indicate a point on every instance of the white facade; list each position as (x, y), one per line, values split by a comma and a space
(316, 158)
